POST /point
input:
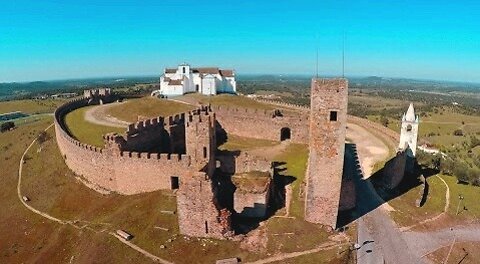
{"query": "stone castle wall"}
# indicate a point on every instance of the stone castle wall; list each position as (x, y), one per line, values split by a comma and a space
(124, 172)
(262, 124)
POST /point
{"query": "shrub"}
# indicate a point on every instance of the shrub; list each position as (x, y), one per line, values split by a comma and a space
(458, 132)
(7, 126)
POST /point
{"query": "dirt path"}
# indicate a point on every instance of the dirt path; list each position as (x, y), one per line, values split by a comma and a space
(98, 115)
(283, 256)
(74, 223)
(271, 151)
(370, 149)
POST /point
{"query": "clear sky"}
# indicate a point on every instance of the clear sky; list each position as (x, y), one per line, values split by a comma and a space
(44, 40)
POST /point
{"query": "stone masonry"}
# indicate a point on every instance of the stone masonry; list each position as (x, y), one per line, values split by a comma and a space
(328, 119)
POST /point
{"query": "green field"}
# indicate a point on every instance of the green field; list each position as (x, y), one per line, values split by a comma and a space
(407, 213)
(146, 107)
(31, 106)
(231, 101)
(85, 131)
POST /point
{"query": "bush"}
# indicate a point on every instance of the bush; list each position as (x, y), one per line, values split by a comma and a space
(458, 132)
(7, 126)
(42, 137)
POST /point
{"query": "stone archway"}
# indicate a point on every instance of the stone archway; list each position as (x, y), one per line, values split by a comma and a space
(285, 133)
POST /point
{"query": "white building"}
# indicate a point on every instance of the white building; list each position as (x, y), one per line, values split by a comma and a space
(184, 79)
(409, 132)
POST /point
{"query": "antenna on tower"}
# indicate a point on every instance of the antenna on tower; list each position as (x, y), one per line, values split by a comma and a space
(343, 56)
(316, 59)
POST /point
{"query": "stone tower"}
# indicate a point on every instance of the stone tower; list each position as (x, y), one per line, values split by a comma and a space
(409, 132)
(198, 211)
(328, 119)
(200, 139)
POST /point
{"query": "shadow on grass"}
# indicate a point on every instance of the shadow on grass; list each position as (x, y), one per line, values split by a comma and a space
(373, 192)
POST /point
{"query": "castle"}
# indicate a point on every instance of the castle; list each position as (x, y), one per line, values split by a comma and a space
(207, 81)
(180, 153)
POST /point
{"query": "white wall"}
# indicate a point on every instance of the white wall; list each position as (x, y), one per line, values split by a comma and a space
(208, 85)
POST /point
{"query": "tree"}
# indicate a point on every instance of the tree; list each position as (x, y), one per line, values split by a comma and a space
(7, 126)
(42, 137)
(384, 121)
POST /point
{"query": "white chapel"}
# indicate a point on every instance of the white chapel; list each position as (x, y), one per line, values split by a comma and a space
(207, 81)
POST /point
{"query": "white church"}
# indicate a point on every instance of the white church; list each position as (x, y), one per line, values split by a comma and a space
(207, 81)
(409, 132)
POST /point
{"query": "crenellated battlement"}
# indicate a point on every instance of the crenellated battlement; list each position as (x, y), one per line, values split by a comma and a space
(283, 104)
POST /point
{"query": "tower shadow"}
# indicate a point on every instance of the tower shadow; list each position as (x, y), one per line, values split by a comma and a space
(372, 192)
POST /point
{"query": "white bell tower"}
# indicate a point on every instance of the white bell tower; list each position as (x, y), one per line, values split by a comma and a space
(409, 132)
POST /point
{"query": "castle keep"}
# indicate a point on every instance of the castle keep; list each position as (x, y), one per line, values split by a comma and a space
(328, 119)
(180, 153)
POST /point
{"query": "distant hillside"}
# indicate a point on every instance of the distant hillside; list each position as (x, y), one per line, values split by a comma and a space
(26, 89)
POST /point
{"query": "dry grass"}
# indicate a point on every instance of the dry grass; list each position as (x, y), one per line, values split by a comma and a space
(231, 101)
(31, 106)
(463, 252)
(242, 143)
(147, 107)
(252, 181)
(85, 131)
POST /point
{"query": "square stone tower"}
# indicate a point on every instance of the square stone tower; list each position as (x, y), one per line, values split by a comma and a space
(328, 119)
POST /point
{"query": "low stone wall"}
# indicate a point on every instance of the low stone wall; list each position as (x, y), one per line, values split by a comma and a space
(124, 172)
(262, 124)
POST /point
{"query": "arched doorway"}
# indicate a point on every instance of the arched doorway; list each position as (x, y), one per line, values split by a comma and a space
(285, 133)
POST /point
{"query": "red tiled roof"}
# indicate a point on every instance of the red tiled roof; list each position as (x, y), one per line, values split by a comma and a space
(210, 70)
(175, 82)
(227, 73)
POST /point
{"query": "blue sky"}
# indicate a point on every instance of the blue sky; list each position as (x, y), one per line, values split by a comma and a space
(43, 40)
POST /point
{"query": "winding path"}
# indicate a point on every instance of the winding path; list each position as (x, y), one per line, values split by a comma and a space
(98, 115)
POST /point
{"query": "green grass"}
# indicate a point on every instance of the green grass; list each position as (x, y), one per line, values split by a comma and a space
(295, 157)
(242, 143)
(85, 131)
(407, 213)
(377, 102)
(471, 202)
(231, 101)
(30, 106)
(146, 107)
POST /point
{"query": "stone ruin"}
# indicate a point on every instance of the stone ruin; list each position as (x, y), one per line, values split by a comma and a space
(180, 153)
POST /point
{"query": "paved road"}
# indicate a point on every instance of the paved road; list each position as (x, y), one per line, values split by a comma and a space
(382, 242)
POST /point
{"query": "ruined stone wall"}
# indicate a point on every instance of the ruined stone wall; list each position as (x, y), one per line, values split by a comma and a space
(262, 124)
(246, 162)
(197, 212)
(164, 135)
(326, 150)
(200, 139)
(123, 172)
(251, 204)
